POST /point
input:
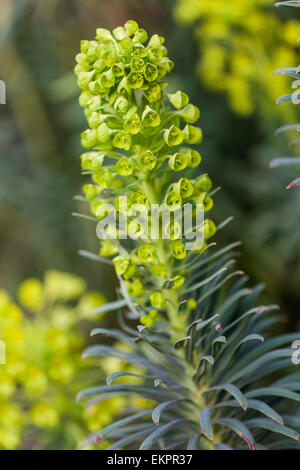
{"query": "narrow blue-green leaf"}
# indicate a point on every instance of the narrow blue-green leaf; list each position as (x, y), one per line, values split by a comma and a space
(293, 184)
(129, 440)
(206, 281)
(116, 375)
(156, 414)
(288, 127)
(93, 256)
(161, 431)
(271, 356)
(275, 392)
(193, 443)
(112, 334)
(222, 447)
(284, 161)
(98, 436)
(240, 429)
(270, 425)
(288, 3)
(205, 423)
(110, 307)
(289, 97)
(234, 392)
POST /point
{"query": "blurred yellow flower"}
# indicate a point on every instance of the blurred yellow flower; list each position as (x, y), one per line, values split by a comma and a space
(44, 415)
(239, 49)
(31, 294)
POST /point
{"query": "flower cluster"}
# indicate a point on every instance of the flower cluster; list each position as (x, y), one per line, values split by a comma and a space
(139, 155)
(236, 54)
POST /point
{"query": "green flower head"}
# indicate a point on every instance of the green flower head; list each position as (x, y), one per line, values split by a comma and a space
(124, 167)
(178, 161)
(157, 300)
(173, 136)
(147, 253)
(147, 161)
(178, 249)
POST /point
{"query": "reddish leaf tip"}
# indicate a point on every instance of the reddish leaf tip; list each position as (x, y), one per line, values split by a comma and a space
(291, 185)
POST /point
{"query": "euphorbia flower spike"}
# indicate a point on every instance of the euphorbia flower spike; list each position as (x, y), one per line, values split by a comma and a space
(139, 147)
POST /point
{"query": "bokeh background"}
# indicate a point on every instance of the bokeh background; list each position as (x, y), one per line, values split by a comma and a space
(225, 53)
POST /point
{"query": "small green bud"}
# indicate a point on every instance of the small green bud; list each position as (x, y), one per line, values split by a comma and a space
(94, 103)
(84, 98)
(137, 65)
(135, 80)
(151, 72)
(131, 27)
(119, 33)
(91, 160)
(178, 249)
(147, 253)
(95, 87)
(139, 197)
(194, 158)
(157, 300)
(150, 319)
(203, 184)
(89, 138)
(122, 140)
(178, 282)
(95, 119)
(107, 79)
(91, 54)
(209, 229)
(102, 33)
(99, 65)
(104, 132)
(81, 59)
(153, 93)
(121, 105)
(133, 124)
(107, 248)
(110, 57)
(208, 203)
(178, 99)
(84, 45)
(173, 136)
(140, 36)
(159, 269)
(184, 187)
(192, 134)
(147, 161)
(84, 78)
(150, 118)
(190, 113)
(135, 288)
(121, 265)
(91, 191)
(124, 167)
(102, 178)
(178, 161)
(118, 69)
(126, 45)
(173, 200)
(155, 41)
(139, 50)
